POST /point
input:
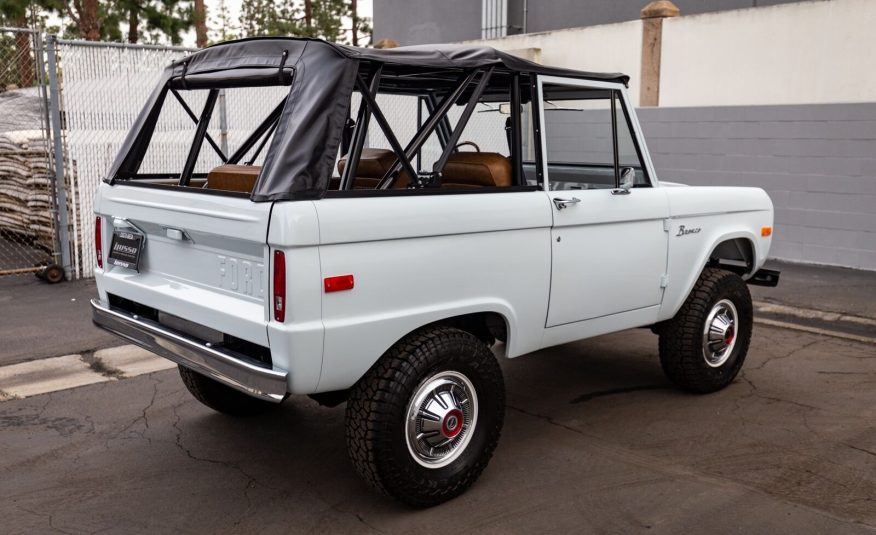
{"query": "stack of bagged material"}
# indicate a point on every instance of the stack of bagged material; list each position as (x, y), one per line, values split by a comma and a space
(26, 187)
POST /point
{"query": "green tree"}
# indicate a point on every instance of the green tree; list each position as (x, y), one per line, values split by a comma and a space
(16, 61)
(223, 26)
(332, 20)
(164, 19)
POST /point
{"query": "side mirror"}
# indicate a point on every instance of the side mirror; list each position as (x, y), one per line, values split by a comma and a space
(627, 180)
(505, 108)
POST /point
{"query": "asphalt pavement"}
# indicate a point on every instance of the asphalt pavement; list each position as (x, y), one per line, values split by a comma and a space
(595, 440)
(825, 288)
(40, 320)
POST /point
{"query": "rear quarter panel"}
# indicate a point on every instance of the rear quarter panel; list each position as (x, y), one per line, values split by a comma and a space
(420, 259)
(720, 213)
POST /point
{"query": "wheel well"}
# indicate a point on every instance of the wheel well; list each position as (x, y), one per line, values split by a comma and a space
(736, 255)
(487, 326)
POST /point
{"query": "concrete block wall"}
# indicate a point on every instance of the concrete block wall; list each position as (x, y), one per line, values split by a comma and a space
(817, 162)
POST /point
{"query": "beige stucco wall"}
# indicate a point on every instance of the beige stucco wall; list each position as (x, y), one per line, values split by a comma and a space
(804, 53)
(606, 48)
(811, 52)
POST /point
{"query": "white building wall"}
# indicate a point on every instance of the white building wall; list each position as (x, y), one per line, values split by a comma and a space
(819, 52)
(606, 48)
(811, 52)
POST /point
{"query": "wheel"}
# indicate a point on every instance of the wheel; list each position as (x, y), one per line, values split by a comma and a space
(703, 347)
(222, 398)
(53, 273)
(424, 421)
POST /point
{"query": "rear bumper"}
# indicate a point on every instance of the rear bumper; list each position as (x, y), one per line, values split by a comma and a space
(259, 382)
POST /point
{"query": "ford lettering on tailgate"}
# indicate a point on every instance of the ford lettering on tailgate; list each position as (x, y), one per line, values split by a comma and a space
(242, 276)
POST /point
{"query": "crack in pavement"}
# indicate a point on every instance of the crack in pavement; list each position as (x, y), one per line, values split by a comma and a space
(845, 373)
(50, 517)
(674, 470)
(144, 417)
(789, 354)
(868, 452)
(251, 481)
(615, 391)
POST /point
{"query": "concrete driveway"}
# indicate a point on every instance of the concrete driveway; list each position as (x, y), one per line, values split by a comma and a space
(595, 440)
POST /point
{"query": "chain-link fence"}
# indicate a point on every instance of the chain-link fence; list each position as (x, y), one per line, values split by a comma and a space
(28, 240)
(102, 88)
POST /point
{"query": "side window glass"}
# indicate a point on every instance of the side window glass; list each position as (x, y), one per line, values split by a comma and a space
(579, 136)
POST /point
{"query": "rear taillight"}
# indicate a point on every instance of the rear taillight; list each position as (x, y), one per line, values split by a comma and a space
(279, 296)
(98, 242)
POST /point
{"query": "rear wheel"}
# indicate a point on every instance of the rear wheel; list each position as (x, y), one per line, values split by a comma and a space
(222, 398)
(422, 424)
(704, 346)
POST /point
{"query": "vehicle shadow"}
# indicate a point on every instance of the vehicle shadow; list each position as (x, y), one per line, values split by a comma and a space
(299, 448)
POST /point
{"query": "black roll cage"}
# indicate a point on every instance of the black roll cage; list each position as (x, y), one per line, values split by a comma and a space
(368, 83)
(436, 122)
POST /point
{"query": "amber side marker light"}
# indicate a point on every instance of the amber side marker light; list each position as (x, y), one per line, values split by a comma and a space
(766, 231)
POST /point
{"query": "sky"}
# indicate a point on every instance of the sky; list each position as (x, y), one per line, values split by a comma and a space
(365, 10)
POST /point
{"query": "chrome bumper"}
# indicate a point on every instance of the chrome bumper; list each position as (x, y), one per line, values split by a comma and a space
(256, 381)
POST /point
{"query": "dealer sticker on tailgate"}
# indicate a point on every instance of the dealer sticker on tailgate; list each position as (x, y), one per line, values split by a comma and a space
(125, 249)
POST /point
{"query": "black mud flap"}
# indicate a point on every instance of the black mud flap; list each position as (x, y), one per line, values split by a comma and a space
(765, 277)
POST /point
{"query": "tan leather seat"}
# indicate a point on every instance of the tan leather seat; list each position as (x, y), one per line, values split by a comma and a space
(477, 170)
(232, 177)
(373, 164)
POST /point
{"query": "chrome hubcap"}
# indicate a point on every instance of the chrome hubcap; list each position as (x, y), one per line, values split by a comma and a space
(719, 333)
(441, 419)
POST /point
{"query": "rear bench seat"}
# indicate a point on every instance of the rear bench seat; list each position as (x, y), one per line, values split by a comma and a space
(464, 170)
(232, 177)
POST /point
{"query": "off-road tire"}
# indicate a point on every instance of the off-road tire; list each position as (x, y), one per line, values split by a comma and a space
(681, 338)
(222, 398)
(377, 413)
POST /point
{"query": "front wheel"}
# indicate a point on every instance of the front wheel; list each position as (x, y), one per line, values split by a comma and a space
(703, 347)
(422, 424)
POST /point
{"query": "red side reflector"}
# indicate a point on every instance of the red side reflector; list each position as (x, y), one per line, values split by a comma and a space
(279, 295)
(766, 231)
(98, 242)
(339, 283)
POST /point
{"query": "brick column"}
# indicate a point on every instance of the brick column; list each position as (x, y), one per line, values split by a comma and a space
(652, 40)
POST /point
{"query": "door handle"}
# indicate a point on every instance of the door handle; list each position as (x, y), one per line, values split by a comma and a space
(564, 203)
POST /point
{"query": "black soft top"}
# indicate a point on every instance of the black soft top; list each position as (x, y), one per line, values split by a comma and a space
(415, 57)
(302, 154)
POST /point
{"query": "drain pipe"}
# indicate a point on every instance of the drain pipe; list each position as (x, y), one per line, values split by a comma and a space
(525, 14)
(652, 42)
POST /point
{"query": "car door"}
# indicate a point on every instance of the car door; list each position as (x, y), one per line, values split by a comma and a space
(608, 243)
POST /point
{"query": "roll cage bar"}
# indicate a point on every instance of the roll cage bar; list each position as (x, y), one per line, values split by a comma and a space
(436, 121)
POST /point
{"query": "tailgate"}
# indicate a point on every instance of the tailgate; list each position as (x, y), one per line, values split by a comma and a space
(205, 257)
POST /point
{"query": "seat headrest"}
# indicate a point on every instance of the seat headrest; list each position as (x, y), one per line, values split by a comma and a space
(232, 177)
(477, 169)
(373, 163)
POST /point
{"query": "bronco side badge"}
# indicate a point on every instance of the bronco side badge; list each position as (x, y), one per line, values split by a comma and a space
(682, 231)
